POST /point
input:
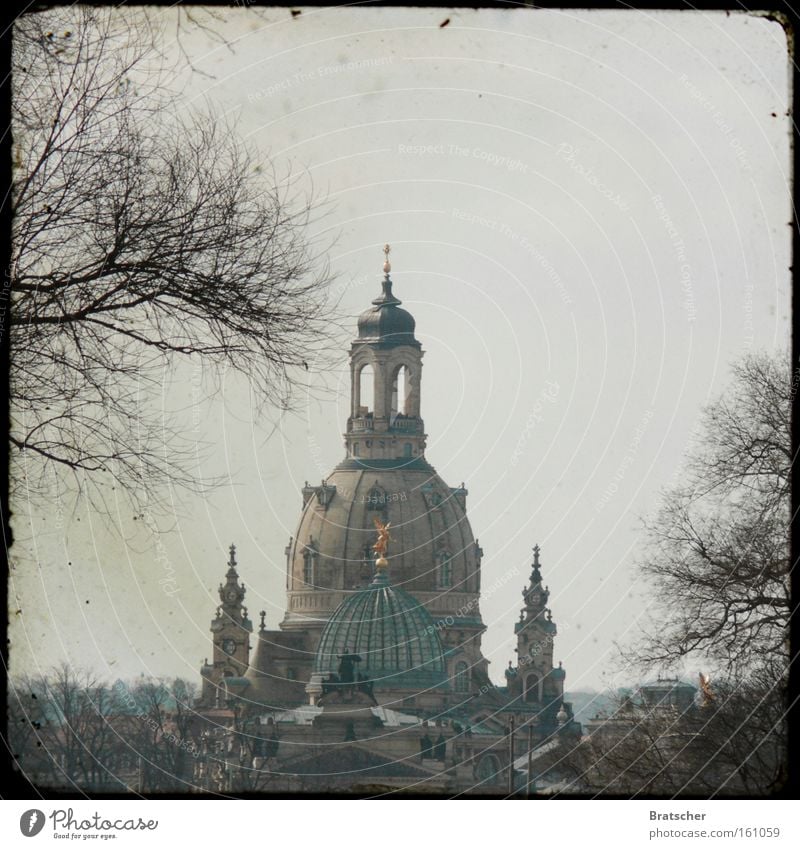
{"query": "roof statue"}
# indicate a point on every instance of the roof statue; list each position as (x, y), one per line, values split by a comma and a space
(382, 544)
(705, 689)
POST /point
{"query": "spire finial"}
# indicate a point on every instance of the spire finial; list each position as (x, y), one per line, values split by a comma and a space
(386, 298)
(232, 561)
(536, 550)
(263, 615)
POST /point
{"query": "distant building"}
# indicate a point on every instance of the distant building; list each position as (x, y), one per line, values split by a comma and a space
(668, 693)
(662, 697)
(626, 746)
(375, 676)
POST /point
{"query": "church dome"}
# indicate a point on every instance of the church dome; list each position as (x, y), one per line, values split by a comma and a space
(384, 475)
(390, 631)
(434, 553)
(385, 321)
(391, 324)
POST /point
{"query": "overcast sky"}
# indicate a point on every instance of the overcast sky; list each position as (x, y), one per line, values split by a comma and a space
(589, 218)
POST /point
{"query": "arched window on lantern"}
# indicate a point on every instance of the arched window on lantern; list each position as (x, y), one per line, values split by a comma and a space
(401, 389)
(365, 400)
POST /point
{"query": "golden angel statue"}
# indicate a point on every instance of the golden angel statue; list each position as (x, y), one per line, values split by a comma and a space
(383, 537)
(705, 689)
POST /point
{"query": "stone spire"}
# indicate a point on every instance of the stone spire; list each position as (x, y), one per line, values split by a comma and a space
(386, 298)
(230, 634)
(535, 595)
(534, 679)
(232, 592)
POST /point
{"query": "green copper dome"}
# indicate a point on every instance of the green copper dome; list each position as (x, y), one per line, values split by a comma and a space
(391, 632)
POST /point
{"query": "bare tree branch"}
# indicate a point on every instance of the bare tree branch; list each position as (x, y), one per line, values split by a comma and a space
(718, 557)
(142, 235)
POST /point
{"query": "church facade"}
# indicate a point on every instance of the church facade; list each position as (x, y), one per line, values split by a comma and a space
(375, 676)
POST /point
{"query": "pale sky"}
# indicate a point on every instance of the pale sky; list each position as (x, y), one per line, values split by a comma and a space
(588, 213)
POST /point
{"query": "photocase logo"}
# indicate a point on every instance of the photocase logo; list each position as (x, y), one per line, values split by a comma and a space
(31, 822)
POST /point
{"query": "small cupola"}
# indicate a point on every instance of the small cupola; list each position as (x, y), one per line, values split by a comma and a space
(385, 323)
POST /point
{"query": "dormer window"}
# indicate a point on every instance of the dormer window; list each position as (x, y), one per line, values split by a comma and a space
(376, 499)
(461, 682)
(309, 563)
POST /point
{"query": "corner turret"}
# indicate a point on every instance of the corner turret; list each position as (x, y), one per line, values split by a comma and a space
(230, 630)
(533, 678)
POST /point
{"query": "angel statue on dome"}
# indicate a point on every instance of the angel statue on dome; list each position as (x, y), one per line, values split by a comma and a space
(383, 537)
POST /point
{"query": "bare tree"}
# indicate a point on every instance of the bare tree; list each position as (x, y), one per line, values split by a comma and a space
(27, 718)
(732, 745)
(162, 734)
(637, 750)
(718, 558)
(142, 235)
(745, 734)
(66, 729)
(59, 729)
(719, 565)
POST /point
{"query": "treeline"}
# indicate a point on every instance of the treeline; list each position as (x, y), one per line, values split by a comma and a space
(69, 729)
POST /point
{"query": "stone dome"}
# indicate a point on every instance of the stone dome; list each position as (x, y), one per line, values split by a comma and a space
(390, 631)
(433, 552)
(394, 324)
(385, 321)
